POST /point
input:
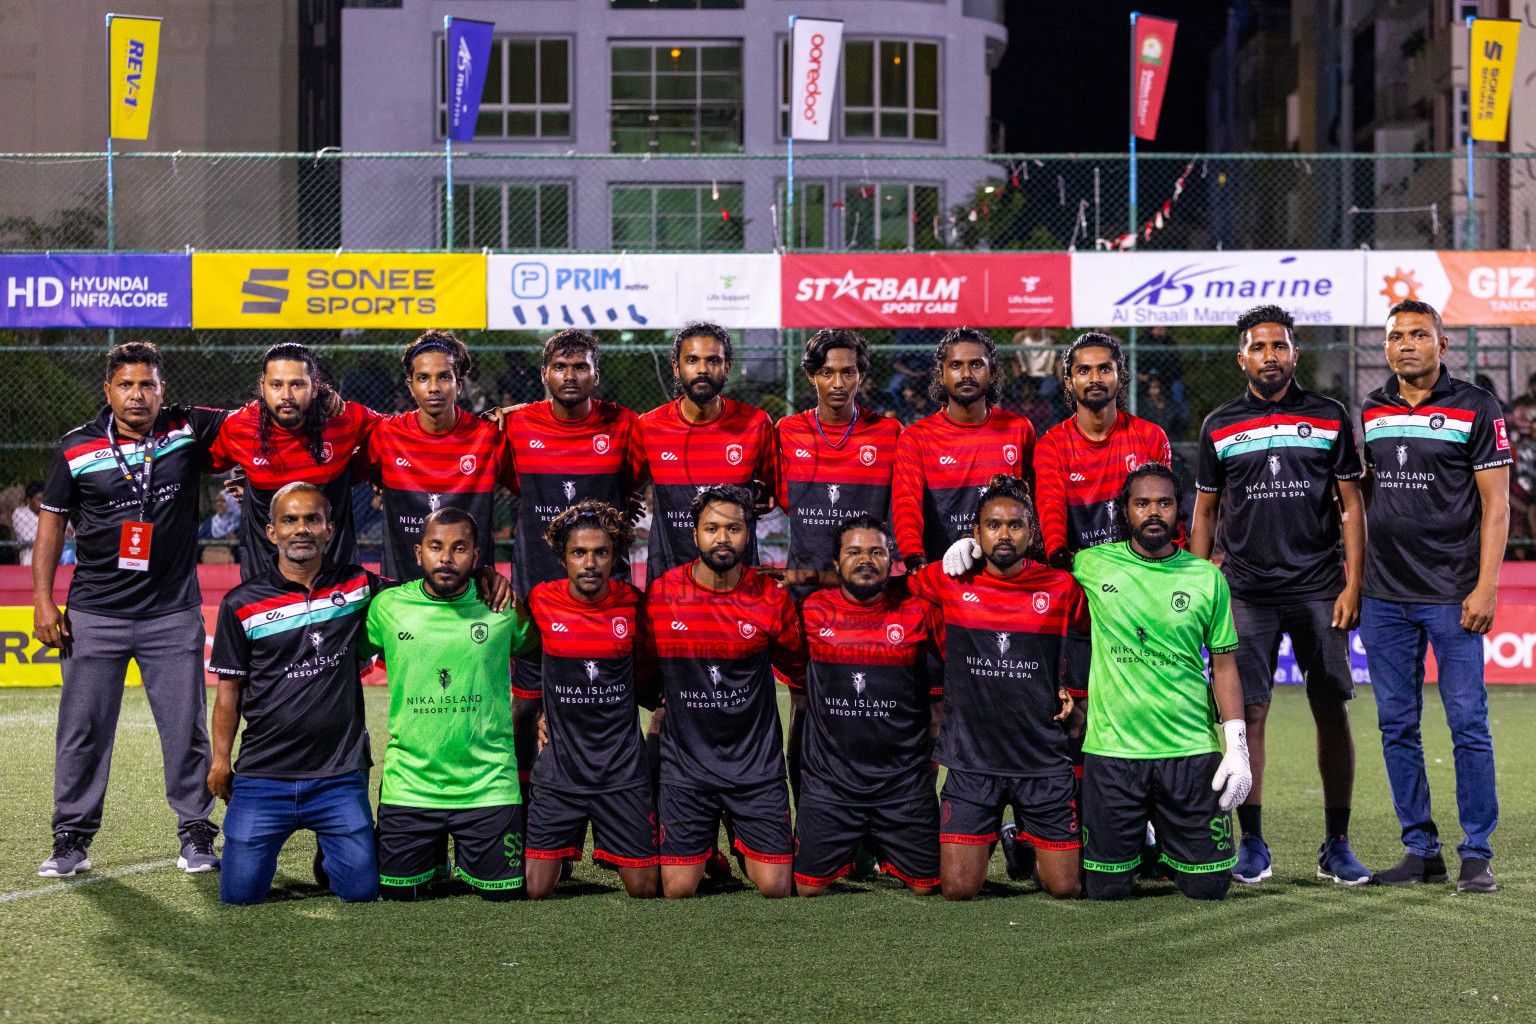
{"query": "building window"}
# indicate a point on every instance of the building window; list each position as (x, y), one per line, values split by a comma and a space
(527, 89)
(808, 230)
(688, 218)
(1461, 117)
(508, 215)
(676, 98)
(890, 215)
(890, 89)
(675, 5)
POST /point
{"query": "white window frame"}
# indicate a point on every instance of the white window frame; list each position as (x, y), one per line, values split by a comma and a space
(502, 184)
(880, 106)
(697, 105)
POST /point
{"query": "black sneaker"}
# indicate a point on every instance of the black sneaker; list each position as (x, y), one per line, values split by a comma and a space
(69, 856)
(322, 879)
(1476, 876)
(197, 856)
(1018, 857)
(1412, 870)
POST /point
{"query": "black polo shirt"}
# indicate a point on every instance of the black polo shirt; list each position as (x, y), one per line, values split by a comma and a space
(302, 698)
(86, 484)
(1425, 514)
(1274, 465)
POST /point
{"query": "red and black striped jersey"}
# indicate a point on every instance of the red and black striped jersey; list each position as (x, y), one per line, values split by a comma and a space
(1002, 640)
(1078, 480)
(827, 474)
(867, 693)
(421, 472)
(716, 652)
(289, 460)
(560, 462)
(589, 689)
(942, 467)
(682, 458)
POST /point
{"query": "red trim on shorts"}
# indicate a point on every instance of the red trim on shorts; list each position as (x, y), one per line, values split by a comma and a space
(764, 858)
(569, 853)
(528, 694)
(920, 882)
(1075, 694)
(1045, 844)
(967, 840)
(819, 882)
(684, 861)
(625, 862)
(1077, 770)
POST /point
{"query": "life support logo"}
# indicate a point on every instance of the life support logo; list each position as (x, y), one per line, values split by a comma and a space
(748, 630)
(895, 633)
(1010, 453)
(601, 443)
(1042, 601)
(621, 628)
(867, 454)
(467, 464)
(733, 454)
(326, 451)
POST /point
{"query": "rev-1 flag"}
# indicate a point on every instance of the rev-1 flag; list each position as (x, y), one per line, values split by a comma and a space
(133, 54)
(815, 48)
(1493, 76)
(1149, 68)
(469, 51)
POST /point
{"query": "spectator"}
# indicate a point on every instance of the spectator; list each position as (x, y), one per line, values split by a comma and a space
(1159, 354)
(873, 399)
(370, 383)
(1159, 407)
(1035, 356)
(915, 403)
(224, 524)
(1522, 479)
(1530, 393)
(24, 521)
(1486, 383)
(519, 383)
(913, 363)
(1022, 397)
(368, 521)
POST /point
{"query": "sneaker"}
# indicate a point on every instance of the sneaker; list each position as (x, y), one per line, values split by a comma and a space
(718, 866)
(1476, 876)
(1252, 860)
(1018, 856)
(69, 856)
(322, 879)
(567, 869)
(1336, 861)
(1412, 870)
(865, 865)
(197, 854)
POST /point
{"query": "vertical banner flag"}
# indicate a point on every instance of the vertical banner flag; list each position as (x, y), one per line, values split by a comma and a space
(133, 54)
(1493, 76)
(1153, 55)
(469, 52)
(815, 49)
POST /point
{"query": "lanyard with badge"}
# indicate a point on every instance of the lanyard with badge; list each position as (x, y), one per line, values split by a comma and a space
(133, 545)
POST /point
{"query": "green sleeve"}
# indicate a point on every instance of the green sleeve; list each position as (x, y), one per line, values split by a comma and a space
(1220, 635)
(378, 623)
(525, 635)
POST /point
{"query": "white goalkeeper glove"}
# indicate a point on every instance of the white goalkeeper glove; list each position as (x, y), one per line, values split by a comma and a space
(1233, 777)
(962, 554)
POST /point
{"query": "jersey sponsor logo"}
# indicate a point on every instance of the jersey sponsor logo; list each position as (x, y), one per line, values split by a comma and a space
(601, 443)
(868, 452)
(714, 675)
(260, 460)
(1010, 453)
(326, 451)
(801, 453)
(434, 502)
(478, 632)
(591, 667)
(444, 678)
(315, 637)
(1004, 641)
(1041, 602)
(1501, 435)
(858, 682)
(681, 627)
(948, 460)
(1141, 635)
(733, 454)
(621, 627)
(970, 596)
(559, 627)
(404, 636)
(748, 630)
(536, 443)
(1110, 588)
(1402, 455)
(403, 463)
(1078, 478)
(1109, 508)
(668, 456)
(467, 464)
(895, 633)
(568, 488)
(826, 631)
(834, 492)
(1274, 465)
(1179, 602)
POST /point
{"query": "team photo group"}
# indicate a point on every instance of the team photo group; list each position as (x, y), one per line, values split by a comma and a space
(988, 638)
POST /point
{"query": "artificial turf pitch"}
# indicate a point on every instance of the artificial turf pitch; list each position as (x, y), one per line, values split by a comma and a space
(145, 942)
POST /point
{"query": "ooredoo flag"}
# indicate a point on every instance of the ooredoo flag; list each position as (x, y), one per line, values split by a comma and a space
(469, 52)
(1149, 64)
(1493, 76)
(815, 47)
(133, 55)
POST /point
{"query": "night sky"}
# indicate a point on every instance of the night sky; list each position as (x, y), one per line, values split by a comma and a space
(1063, 85)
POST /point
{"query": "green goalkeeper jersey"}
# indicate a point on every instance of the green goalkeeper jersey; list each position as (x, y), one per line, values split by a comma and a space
(450, 697)
(1147, 691)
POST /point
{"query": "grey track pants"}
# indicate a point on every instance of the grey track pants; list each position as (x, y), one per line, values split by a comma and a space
(169, 652)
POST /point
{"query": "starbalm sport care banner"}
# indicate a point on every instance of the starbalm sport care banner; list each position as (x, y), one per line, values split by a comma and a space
(469, 54)
(816, 46)
(1149, 64)
(133, 55)
(1493, 76)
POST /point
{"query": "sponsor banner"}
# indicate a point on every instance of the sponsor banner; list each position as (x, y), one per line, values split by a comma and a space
(1509, 651)
(96, 291)
(1484, 289)
(816, 46)
(631, 291)
(1114, 289)
(469, 53)
(1493, 76)
(133, 55)
(382, 290)
(1150, 61)
(928, 290)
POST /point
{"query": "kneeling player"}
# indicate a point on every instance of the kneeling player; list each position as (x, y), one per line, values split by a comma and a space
(1004, 732)
(593, 766)
(865, 772)
(718, 630)
(1151, 743)
(450, 768)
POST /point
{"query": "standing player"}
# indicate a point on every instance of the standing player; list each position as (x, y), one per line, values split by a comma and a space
(1152, 744)
(867, 775)
(450, 768)
(719, 629)
(943, 462)
(1281, 463)
(295, 429)
(593, 767)
(1004, 732)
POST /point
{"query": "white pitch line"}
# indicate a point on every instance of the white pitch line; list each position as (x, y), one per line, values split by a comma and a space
(137, 869)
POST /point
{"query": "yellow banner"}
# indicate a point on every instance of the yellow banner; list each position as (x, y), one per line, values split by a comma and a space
(25, 662)
(351, 290)
(133, 54)
(1493, 76)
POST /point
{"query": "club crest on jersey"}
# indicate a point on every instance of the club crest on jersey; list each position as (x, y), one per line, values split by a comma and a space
(748, 630)
(339, 599)
(1004, 641)
(601, 443)
(478, 632)
(326, 451)
(1130, 463)
(858, 682)
(1041, 602)
(895, 633)
(1436, 421)
(733, 454)
(867, 454)
(467, 464)
(621, 627)
(1010, 453)
(1180, 601)
(1303, 430)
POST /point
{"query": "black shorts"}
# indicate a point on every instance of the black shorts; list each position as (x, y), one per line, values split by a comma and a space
(487, 845)
(623, 826)
(1044, 809)
(1321, 652)
(904, 834)
(756, 815)
(1120, 795)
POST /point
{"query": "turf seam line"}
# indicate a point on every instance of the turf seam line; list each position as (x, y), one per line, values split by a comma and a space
(137, 869)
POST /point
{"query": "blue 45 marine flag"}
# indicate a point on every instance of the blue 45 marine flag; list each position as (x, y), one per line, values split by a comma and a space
(469, 51)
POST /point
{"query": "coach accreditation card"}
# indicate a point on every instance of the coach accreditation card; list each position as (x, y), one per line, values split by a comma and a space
(133, 548)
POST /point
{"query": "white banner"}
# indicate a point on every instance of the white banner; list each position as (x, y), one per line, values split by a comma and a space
(816, 47)
(1144, 289)
(602, 290)
(1392, 275)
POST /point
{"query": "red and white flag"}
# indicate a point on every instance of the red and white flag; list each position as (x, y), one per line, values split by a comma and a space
(816, 45)
(1149, 64)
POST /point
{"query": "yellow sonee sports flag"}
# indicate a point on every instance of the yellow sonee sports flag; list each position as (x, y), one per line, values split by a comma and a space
(1493, 76)
(133, 54)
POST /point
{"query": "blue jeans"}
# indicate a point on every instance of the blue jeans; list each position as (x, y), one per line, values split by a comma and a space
(1395, 638)
(263, 813)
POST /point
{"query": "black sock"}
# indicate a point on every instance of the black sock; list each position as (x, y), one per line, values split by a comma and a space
(1250, 818)
(1338, 821)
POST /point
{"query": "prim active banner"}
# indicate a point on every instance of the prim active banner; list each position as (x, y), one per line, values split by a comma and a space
(928, 290)
(96, 291)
